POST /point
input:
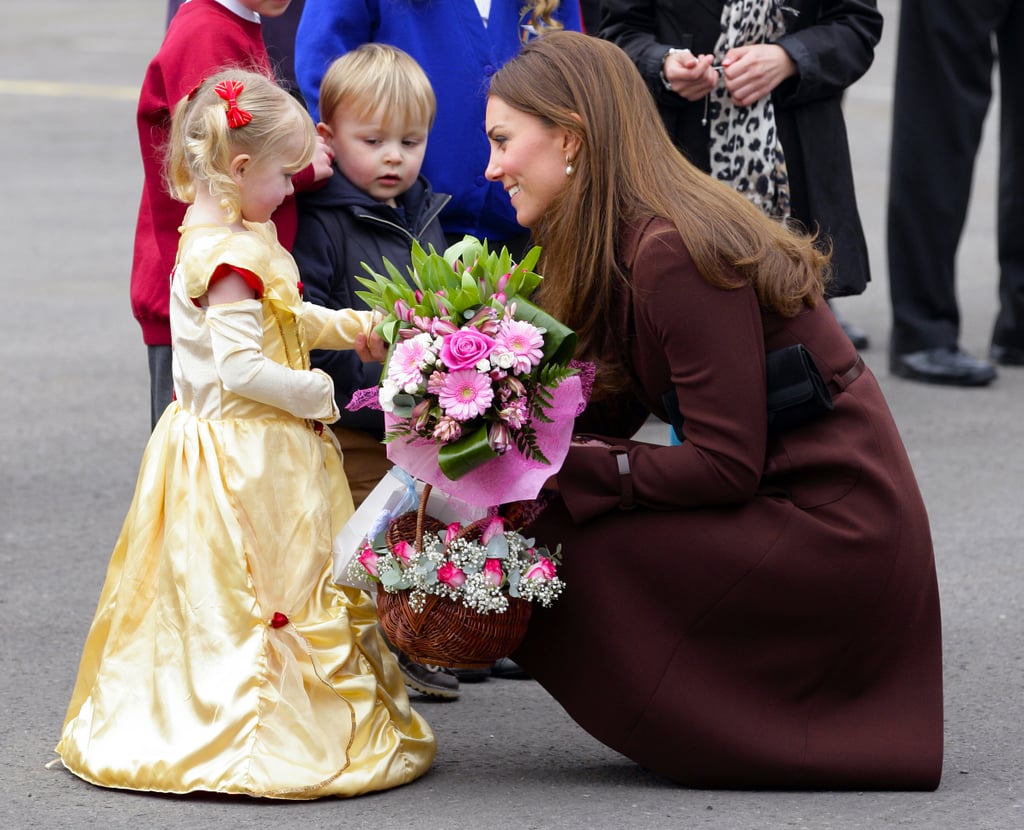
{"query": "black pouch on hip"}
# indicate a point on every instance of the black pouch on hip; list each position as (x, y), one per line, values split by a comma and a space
(797, 393)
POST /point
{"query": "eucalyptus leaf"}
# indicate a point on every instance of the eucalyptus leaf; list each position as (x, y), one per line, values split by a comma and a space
(497, 547)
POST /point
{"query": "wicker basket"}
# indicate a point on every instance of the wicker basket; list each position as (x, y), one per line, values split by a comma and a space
(446, 632)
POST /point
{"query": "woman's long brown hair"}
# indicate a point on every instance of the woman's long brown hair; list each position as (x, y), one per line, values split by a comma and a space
(628, 170)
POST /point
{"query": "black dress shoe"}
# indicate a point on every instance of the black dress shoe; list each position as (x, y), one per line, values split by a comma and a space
(1007, 355)
(508, 669)
(946, 365)
(857, 336)
(472, 675)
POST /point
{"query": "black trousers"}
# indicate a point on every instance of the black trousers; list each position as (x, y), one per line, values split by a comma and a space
(946, 54)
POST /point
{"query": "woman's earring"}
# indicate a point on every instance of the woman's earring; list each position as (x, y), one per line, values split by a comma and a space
(568, 166)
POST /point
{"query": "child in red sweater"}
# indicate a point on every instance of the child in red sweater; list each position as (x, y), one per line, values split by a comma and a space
(203, 36)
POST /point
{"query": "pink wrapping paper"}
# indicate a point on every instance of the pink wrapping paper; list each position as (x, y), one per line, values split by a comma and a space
(509, 477)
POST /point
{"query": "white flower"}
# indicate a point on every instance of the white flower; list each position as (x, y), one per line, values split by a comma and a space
(388, 390)
(503, 360)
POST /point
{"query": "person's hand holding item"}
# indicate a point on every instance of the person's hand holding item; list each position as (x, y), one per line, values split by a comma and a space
(689, 76)
(371, 347)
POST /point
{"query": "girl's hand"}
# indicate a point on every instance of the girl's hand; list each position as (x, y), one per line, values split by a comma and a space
(690, 76)
(371, 347)
(754, 71)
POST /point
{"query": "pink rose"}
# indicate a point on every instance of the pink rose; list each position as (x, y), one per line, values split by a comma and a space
(495, 527)
(465, 348)
(544, 569)
(368, 559)
(451, 576)
(493, 574)
(402, 550)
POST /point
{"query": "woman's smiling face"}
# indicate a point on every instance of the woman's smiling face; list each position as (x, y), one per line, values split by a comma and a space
(528, 157)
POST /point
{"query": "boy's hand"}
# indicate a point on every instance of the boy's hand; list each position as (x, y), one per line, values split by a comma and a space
(322, 160)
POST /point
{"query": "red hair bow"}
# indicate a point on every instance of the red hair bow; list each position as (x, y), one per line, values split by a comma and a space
(229, 91)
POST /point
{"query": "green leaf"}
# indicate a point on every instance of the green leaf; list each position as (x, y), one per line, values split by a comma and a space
(497, 547)
(468, 453)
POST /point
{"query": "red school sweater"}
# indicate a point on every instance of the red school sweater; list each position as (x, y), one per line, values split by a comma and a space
(202, 38)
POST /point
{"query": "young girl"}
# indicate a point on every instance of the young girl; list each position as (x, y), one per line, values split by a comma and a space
(222, 657)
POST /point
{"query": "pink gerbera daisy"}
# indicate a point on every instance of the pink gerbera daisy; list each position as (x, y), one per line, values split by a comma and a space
(407, 362)
(524, 340)
(465, 394)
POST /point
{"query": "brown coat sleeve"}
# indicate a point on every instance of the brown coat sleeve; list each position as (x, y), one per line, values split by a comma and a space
(708, 343)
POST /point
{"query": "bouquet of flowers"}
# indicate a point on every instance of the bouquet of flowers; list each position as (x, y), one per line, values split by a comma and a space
(479, 396)
(475, 373)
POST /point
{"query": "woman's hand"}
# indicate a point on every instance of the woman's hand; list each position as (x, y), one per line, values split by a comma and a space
(752, 72)
(690, 76)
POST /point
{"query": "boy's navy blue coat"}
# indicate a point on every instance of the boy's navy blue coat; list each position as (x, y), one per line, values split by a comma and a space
(341, 227)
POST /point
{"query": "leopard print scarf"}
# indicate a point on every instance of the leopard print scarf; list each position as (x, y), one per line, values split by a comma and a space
(744, 146)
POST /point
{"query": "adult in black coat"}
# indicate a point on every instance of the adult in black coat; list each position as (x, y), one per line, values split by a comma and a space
(944, 65)
(830, 43)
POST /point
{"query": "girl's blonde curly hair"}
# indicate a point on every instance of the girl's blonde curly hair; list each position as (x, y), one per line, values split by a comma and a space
(202, 144)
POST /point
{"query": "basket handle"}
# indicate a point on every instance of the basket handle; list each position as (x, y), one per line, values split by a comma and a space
(421, 514)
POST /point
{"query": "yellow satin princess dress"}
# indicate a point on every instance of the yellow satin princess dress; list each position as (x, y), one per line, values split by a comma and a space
(222, 657)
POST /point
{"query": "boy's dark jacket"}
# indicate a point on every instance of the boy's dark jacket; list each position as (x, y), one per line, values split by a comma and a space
(341, 227)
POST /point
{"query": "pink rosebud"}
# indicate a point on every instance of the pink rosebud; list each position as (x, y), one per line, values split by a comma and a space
(435, 383)
(420, 414)
(543, 570)
(447, 430)
(418, 295)
(440, 328)
(402, 550)
(514, 386)
(485, 314)
(498, 437)
(503, 281)
(448, 574)
(368, 559)
(452, 531)
(493, 574)
(494, 527)
(465, 348)
(515, 413)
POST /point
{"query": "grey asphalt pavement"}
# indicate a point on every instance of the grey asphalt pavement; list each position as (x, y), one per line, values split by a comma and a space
(74, 409)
